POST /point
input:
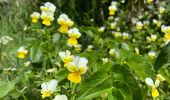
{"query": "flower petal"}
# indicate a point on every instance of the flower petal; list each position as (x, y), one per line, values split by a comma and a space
(155, 92)
(60, 97)
(74, 77)
(149, 81)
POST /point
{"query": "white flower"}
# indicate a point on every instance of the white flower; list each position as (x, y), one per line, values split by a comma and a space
(22, 52)
(160, 77)
(112, 8)
(163, 28)
(153, 37)
(51, 70)
(48, 88)
(113, 3)
(148, 39)
(90, 47)
(101, 29)
(79, 64)
(152, 54)
(139, 25)
(60, 97)
(66, 57)
(112, 52)
(113, 25)
(76, 67)
(48, 7)
(161, 10)
(74, 34)
(64, 20)
(13, 69)
(77, 47)
(35, 16)
(155, 21)
(149, 81)
(26, 64)
(105, 60)
(125, 35)
(137, 51)
(47, 14)
(116, 34)
(5, 40)
(153, 85)
(146, 22)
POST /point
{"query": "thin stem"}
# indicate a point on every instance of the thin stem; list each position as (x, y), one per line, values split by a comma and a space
(23, 96)
(73, 88)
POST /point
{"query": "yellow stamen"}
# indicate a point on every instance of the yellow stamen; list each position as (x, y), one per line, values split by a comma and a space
(74, 77)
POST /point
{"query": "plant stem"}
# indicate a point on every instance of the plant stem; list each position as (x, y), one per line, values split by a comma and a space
(73, 88)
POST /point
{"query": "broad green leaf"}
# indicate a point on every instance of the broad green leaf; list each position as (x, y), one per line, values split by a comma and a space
(165, 73)
(122, 73)
(35, 52)
(99, 90)
(61, 75)
(124, 90)
(163, 57)
(92, 84)
(139, 64)
(116, 94)
(5, 88)
(138, 70)
(56, 37)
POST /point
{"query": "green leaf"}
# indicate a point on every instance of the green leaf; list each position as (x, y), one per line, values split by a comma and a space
(61, 75)
(138, 63)
(94, 86)
(163, 57)
(165, 73)
(123, 73)
(124, 89)
(56, 37)
(35, 52)
(5, 88)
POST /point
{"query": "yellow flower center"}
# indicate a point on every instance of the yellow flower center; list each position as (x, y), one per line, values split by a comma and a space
(46, 94)
(47, 21)
(72, 41)
(21, 54)
(74, 77)
(63, 29)
(155, 92)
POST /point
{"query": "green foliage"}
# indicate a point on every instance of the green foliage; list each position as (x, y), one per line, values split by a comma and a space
(6, 87)
(163, 58)
(111, 75)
